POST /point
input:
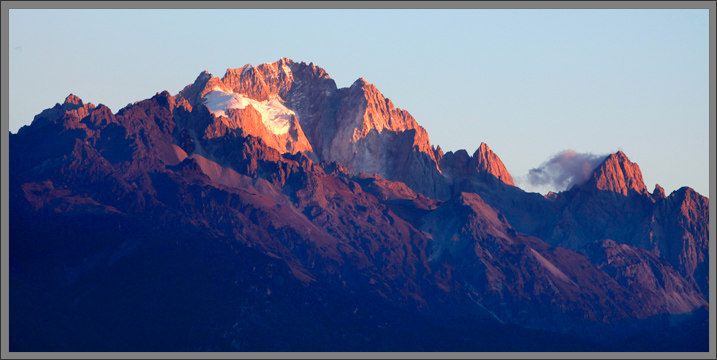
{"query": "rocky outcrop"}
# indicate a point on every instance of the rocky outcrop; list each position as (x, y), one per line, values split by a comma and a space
(619, 175)
(356, 126)
(677, 230)
(658, 193)
(361, 129)
(484, 161)
(651, 279)
(359, 142)
(250, 100)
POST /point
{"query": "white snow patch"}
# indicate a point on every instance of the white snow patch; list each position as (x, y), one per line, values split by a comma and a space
(274, 115)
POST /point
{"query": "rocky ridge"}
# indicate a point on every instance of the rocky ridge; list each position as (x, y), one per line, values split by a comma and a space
(355, 126)
(483, 162)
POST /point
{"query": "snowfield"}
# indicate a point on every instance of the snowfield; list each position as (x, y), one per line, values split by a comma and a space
(274, 115)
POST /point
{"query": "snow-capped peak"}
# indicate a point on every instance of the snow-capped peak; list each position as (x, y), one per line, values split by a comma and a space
(274, 115)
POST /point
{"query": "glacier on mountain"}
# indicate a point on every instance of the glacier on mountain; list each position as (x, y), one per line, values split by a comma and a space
(274, 115)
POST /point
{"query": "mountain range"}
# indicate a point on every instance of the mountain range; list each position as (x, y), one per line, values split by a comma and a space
(269, 210)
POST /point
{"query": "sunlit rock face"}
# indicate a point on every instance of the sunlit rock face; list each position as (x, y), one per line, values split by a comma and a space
(619, 175)
(301, 110)
(368, 134)
(250, 100)
(484, 161)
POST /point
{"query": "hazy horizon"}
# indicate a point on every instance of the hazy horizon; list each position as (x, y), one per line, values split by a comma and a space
(529, 83)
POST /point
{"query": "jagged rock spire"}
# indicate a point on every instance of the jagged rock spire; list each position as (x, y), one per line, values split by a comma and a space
(485, 160)
(618, 174)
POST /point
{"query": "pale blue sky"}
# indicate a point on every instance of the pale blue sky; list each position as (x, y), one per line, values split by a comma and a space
(529, 83)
